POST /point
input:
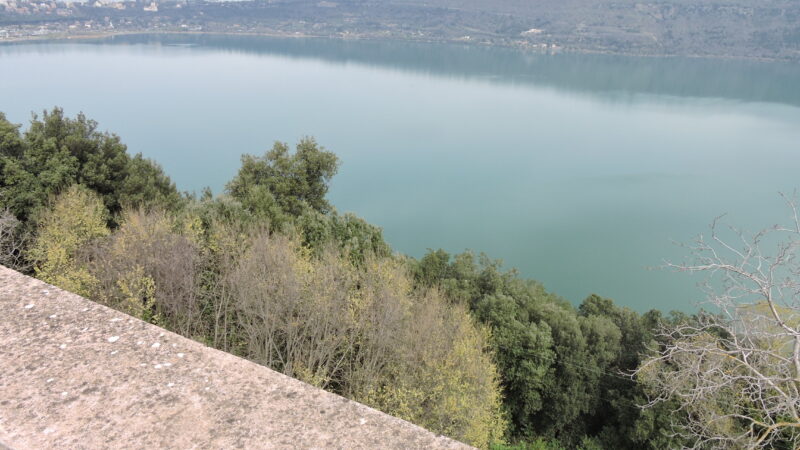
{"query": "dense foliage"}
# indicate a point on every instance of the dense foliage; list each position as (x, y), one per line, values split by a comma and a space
(287, 191)
(56, 152)
(271, 272)
(564, 370)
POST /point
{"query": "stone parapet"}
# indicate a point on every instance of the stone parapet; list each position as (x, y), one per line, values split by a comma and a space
(76, 374)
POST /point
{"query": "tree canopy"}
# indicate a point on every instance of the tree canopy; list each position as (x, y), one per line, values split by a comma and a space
(563, 370)
(56, 152)
(290, 182)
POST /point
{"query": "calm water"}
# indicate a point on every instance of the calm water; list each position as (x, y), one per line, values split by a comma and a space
(577, 170)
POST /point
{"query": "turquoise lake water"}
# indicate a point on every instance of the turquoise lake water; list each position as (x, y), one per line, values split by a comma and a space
(578, 170)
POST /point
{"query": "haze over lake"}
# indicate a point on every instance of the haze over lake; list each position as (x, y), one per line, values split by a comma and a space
(578, 170)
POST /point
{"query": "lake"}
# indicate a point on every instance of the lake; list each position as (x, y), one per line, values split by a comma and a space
(578, 170)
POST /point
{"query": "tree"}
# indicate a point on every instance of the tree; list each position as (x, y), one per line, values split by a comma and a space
(283, 183)
(524, 356)
(57, 152)
(76, 218)
(146, 185)
(11, 143)
(149, 269)
(443, 378)
(617, 420)
(734, 371)
(352, 234)
(364, 332)
(562, 370)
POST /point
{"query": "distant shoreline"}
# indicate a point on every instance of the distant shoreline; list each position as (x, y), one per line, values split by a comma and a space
(297, 35)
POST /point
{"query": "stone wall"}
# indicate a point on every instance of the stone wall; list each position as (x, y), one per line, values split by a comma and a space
(76, 374)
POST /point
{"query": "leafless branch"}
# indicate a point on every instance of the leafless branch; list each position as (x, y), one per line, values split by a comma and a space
(735, 371)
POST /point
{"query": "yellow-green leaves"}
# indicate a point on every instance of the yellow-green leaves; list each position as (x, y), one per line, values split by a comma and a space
(442, 377)
(364, 332)
(138, 294)
(77, 217)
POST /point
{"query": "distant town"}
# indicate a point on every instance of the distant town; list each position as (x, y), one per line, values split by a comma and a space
(25, 19)
(28, 20)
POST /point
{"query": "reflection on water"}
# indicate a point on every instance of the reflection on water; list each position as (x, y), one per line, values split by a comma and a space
(601, 75)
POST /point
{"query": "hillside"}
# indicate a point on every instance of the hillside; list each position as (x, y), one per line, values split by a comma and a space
(735, 28)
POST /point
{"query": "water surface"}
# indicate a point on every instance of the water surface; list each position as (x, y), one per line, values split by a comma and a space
(578, 170)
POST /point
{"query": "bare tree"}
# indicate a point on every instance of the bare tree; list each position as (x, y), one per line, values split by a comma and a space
(13, 240)
(734, 370)
(149, 270)
(292, 310)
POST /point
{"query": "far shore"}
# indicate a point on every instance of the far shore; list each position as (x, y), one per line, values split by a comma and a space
(106, 34)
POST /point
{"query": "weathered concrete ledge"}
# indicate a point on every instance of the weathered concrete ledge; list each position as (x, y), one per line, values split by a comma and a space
(76, 374)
